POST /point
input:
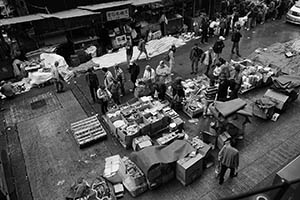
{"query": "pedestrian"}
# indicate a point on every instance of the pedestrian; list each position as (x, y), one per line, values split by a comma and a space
(235, 38)
(57, 78)
(104, 96)
(204, 28)
(177, 93)
(210, 96)
(218, 46)
(228, 158)
(108, 78)
(207, 60)
(93, 83)
(195, 56)
(172, 57)
(142, 49)
(228, 25)
(149, 78)
(236, 82)
(223, 88)
(120, 77)
(129, 51)
(134, 70)
(163, 72)
(222, 26)
(115, 94)
(225, 71)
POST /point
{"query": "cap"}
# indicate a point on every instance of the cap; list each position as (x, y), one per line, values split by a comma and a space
(221, 38)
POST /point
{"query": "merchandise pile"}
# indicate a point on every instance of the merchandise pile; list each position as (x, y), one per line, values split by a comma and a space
(194, 93)
(254, 75)
(139, 118)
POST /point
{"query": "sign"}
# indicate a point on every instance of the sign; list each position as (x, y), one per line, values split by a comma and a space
(117, 14)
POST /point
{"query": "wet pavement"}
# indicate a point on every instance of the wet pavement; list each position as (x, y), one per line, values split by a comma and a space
(54, 161)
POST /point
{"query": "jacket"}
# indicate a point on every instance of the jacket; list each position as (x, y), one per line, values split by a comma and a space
(229, 156)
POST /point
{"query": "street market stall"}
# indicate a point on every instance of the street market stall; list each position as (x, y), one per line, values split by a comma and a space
(141, 117)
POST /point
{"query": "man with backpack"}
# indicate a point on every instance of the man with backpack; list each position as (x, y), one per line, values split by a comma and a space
(218, 46)
(195, 55)
(235, 38)
(93, 83)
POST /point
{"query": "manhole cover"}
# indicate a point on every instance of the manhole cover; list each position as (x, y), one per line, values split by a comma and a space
(38, 104)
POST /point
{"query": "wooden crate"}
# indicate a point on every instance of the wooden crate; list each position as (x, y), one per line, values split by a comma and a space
(87, 131)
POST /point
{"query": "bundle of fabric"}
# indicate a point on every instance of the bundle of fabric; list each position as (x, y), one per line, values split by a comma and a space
(286, 84)
(265, 102)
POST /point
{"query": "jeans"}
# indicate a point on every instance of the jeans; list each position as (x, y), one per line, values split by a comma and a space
(235, 46)
(104, 105)
(195, 65)
(223, 171)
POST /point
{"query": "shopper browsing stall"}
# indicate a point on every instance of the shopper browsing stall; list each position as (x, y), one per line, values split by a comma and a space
(210, 96)
(108, 78)
(103, 95)
(149, 74)
(219, 46)
(207, 60)
(195, 56)
(223, 88)
(120, 77)
(93, 83)
(134, 70)
(177, 93)
(236, 82)
(163, 72)
(115, 94)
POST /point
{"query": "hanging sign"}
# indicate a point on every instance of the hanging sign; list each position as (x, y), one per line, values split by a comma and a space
(117, 14)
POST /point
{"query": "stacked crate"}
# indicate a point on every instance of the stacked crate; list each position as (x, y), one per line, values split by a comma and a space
(87, 131)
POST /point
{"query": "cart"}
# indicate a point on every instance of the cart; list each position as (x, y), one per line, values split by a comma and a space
(231, 117)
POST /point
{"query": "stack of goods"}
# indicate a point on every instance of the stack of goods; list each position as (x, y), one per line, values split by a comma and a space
(87, 131)
(119, 190)
(254, 75)
(167, 138)
(140, 117)
(101, 190)
(194, 93)
(114, 169)
(134, 179)
(142, 142)
(264, 108)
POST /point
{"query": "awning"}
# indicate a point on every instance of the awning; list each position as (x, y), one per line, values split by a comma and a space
(100, 6)
(23, 19)
(143, 2)
(67, 14)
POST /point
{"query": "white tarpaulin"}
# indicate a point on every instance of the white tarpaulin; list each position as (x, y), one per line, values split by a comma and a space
(48, 60)
(154, 48)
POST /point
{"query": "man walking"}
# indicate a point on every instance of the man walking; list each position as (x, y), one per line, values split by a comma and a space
(142, 49)
(208, 59)
(93, 83)
(57, 78)
(228, 158)
(195, 55)
(235, 38)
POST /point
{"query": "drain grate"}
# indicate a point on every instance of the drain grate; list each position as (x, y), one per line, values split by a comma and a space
(38, 104)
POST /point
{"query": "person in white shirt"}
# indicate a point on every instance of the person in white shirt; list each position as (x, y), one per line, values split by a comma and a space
(149, 74)
(172, 57)
(108, 78)
(163, 71)
(57, 78)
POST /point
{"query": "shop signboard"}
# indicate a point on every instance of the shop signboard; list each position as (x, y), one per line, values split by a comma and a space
(117, 14)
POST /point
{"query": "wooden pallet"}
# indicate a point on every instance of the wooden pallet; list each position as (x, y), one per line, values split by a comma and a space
(87, 131)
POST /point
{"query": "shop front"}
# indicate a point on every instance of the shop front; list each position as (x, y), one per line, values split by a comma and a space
(115, 29)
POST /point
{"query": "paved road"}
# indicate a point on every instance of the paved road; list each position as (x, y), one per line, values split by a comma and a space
(51, 156)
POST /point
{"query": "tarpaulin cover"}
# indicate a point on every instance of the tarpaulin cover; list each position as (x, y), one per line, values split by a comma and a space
(229, 107)
(150, 156)
(49, 59)
(286, 83)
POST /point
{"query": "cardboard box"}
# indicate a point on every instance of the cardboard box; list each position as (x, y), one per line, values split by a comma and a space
(188, 169)
(139, 143)
(222, 138)
(114, 169)
(133, 189)
(265, 113)
(280, 98)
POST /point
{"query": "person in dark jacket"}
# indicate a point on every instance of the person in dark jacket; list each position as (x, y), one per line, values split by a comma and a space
(93, 83)
(204, 27)
(236, 82)
(115, 94)
(223, 88)
(228, 158)
(235, 38)
(129, 51)
(218, 46)
(134, 70)
(177, 93)
(195, 56)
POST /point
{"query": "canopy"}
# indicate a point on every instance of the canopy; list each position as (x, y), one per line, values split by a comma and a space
(143, 2)
(150, 156)
(67, 14)
(23, 19)
(229, 107)
(100, 6)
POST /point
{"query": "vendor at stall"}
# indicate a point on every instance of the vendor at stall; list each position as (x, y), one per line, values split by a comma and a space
(177, 93)
(236, 82)
(163, 72)
(149, 74)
